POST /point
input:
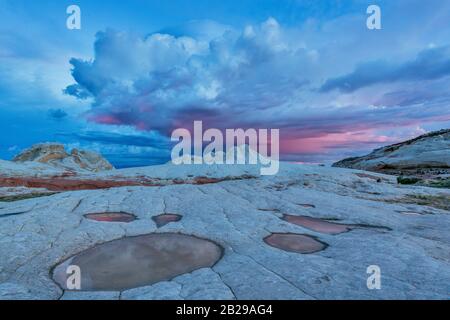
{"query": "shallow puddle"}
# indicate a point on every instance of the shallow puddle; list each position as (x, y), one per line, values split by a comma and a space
(292, 242)
(411, 213)
(318, 225)
(166, 218)
(111, 217)
(307, 205)
(139, 261)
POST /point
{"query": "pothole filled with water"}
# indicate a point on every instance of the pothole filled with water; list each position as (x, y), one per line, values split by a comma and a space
(414, 213)
(138, 261)
(327, 227)
(111, 217)
(166, 218)
(306, 205)
(292, 242)
(318, 225)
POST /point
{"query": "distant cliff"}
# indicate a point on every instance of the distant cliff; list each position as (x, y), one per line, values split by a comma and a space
(428, 154)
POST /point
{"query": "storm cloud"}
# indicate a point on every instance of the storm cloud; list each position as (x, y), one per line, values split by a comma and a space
(159, 82)
(261, 76)
(433, 63)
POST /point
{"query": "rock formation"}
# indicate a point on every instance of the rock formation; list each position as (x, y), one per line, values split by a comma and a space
(55, 155)
(427, 154)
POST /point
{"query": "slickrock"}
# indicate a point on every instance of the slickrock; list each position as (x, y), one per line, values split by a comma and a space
(237, 214)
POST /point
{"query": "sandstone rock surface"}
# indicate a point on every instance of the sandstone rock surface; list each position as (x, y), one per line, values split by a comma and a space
(412, 250)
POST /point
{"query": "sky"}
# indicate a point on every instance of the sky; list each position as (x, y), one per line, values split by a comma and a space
(137, 70)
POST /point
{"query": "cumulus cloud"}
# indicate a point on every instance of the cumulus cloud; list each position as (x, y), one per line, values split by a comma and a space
(77, 91)
(432, 63)
(160, 82)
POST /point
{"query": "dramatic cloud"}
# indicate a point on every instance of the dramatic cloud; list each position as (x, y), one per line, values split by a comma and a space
(430, 64)
(124, 98)
(160, 82)
(262, 76)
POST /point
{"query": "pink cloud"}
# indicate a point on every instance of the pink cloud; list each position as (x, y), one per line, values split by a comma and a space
(325, 142)
(105, 119)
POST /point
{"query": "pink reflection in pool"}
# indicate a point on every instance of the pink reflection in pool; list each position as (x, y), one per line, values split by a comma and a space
(318, 225)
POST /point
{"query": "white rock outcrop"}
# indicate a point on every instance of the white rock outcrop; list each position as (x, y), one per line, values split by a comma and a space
(429, 153)
(55, 155)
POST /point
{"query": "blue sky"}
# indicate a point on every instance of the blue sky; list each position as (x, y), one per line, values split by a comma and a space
(139, 69)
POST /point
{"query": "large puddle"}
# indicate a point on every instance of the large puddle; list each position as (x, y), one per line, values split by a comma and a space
(138, 261)
(292, 242)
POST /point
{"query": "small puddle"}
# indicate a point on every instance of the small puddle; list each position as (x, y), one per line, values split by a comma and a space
(317, 225)
(306, 205)
(111, 217)
(166, 218)
(411, 213)
(292, 242)
(270, 210)
(138, 261)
